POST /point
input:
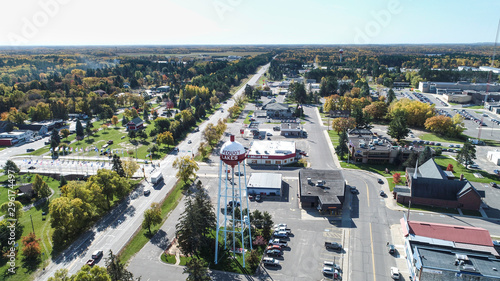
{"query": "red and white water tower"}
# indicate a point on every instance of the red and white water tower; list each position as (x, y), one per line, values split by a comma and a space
(232, 194)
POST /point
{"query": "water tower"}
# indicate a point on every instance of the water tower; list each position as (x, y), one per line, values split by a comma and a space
(340, 54)
(232, 193)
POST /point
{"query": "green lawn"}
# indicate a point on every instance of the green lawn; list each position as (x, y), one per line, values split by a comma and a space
(142, 236)
(458, 169)
(247, 119)
(436, 138)
(430, 209)
(471, 213)
(475, 107)
(42, 229)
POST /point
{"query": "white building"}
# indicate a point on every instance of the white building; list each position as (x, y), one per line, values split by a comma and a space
(19, 135)
(264, 184)
(494, 156)
(271, 153)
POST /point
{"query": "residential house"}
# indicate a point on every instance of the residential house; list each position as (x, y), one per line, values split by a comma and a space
(135, 124)
(339, 113)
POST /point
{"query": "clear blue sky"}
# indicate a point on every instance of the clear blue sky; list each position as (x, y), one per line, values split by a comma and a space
(174, 22)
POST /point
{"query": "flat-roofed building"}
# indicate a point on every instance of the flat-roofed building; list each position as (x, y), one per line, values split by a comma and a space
(323, 190)
(272, 153)
(265, 184)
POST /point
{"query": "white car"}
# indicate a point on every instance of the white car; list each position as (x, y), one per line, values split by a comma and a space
(330, 271)
(473, 166)
(331, 264)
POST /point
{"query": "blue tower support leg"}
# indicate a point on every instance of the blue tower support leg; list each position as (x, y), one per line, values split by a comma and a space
(218, 217)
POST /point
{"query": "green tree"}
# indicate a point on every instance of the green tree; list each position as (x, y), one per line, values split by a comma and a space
(363, 119)
(114, 120)
(248, 91)
(95, 273)
(467, 154)
(55, 139)
(267, 225)
(152, 217)
(196, 223)
(186, 167)
(253, 259)
(203, 150)
(398, 127)
(12, 210)
(298, 92)
(118, 166)
(165, 138)
(62, 181)
(197, 270)
(40, 187)
(79, 129)
(117, 269)
(342, 148)
(10, 167)
(111, 183)
(391, 96)
(425, 155)
(411, 161)
(65, 133)
(60, 275)
(132, 134)
(130, 166)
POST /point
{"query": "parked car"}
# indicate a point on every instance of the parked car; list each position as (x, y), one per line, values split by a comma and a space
(110, 142)
(269, 134)
(473, 166)
(354, 190)
(251, 197)
(273, 247)
(333, 245)
(274, 252)
(496, 172)
(31, 168)
(331, 264)
(279, 242)
(270, 261)
(30, 150)
(330, 271)
(280, 234)
(257, 197)
(496, 242)
(493, 184)
(382, 193)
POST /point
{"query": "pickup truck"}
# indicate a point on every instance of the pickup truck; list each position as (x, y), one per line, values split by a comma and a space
(333, 245)
(279, 242)
(287, 230)
(280, 234)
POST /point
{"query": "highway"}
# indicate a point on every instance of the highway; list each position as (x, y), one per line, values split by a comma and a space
(115, 229)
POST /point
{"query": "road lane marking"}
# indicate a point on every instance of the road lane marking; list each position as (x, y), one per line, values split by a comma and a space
(373, 254)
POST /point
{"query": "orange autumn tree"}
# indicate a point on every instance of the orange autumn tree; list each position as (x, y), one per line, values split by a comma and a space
(396, 178)
(31, 249)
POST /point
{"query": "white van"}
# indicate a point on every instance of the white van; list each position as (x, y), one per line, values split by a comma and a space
(394, 273)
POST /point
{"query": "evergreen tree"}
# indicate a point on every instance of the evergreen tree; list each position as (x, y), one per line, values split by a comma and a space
(467, 154)
(79, 129)
(62, 181)
(145, 115)
(398, 127)
(10, 167)
(390, 96)
(124, 120)
(197, 270)
(411, 161)
(342, 148)
(425, 155)
(55, 139)
(117, 166)
(117, 269)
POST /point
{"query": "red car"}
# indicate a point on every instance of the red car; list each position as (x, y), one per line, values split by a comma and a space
(91, 262)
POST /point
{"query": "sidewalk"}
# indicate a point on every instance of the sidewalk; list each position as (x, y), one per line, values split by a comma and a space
(400, 256)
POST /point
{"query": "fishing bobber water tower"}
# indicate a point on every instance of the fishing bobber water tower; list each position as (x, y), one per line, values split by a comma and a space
(232, 194)
(340, 54)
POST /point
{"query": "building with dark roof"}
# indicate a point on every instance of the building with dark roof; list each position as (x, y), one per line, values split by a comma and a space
(135, 124)
(26, 190)
(323, 190)
(449, 252)
(429, 185)
(277, 110)
(38, 129)
(339, 113)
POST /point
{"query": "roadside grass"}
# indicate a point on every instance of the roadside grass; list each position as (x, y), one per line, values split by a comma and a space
(458, 169)
(491, 142)
(441, 210)
(142, 237)
(435, 138)
(476, 107)
(473, 213)
(25, 269)
(168, 258)
(378, 169)
(198, 157)
(247, 119)
(334, 137)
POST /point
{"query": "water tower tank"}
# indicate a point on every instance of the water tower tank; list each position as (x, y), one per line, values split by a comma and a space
(232, 152)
